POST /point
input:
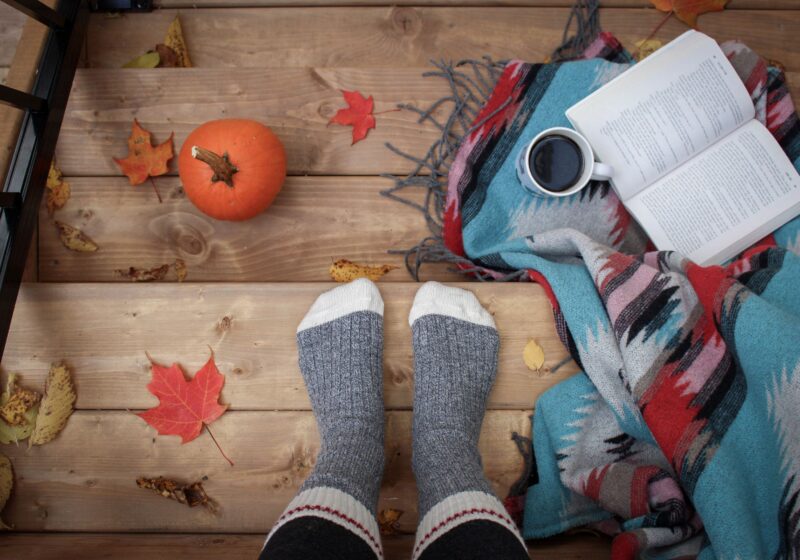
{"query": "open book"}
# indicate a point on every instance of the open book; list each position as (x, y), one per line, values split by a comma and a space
(691, 163)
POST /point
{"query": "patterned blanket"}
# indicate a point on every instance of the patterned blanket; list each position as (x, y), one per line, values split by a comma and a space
(682, 435)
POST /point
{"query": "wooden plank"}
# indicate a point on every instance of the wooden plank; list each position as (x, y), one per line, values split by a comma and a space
(11, 23)
(103, 332)
(85, 479)
(296, 102)
(19, 76)
(314, 221)
(99, 546)
(732, 5)
(403, 36)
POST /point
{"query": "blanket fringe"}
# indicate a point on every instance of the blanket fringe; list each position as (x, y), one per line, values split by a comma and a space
(471, 83)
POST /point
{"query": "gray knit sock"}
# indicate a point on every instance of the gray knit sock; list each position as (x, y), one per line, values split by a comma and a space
(340, 342)
(455, 361)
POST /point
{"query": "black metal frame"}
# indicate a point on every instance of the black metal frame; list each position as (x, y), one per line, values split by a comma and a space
(44, 111)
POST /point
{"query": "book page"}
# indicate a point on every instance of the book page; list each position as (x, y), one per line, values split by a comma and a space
(663, 111)
(724, 200)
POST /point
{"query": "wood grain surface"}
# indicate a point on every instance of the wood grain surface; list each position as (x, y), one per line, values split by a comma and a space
(314, 221)
(85, 480)
(405, 36)
(102, 331)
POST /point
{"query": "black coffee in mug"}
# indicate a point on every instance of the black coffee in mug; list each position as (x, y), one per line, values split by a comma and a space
(556, 163)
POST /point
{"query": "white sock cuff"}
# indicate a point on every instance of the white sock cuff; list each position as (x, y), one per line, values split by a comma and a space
(335, 506)
(458, 509)
(359, 295)
(434, 298)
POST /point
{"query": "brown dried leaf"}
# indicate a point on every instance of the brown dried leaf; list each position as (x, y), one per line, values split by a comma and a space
(74, 239)
(17, 401)
(56, 406)
(180, 270)
(58, 190)
(144, 274)
(646, 47)
(387, 521)
(688, 10)
(15, 434)
(345, 271)
(175, 41)
(168, 58)
(190, 494)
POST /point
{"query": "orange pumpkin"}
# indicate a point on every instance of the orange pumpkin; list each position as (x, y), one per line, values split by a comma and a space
(232, 169)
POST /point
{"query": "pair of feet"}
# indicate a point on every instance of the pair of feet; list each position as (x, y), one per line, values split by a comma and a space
(455, 344)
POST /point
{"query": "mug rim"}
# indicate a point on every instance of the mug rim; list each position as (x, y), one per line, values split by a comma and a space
(585, 148)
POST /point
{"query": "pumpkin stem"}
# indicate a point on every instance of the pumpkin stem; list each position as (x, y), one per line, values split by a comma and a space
(221, 166)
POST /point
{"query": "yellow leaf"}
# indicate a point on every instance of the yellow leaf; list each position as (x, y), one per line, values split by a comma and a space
(56, 407)
(58, 190)
(175, 40)
(533, 355)
(16, 401)
(180, 269)
(74, 239)
(6, 484)
(387, 520)
(646, 47)
(147, 60)
(345, 271)
(14, 433)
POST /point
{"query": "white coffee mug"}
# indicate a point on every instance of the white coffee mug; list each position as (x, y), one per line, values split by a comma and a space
(592, 170)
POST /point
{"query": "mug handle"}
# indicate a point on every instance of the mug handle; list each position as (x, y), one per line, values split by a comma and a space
(602, 171)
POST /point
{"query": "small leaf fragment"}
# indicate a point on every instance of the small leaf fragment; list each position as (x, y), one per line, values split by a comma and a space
(344, 270)
(74, 239)
(6, 484)
(180, 269)
(533, 355)
(58, 190)
(56, 406)
(16, 401)
(144, 274)
(387, 521)
(192, 495)
(175, 40)
(168, 57)
(16, 433)
(149, 59)
(646, 47)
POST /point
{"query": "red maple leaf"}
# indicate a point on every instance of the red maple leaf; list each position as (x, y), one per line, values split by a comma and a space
(358, 114)
(184, 406)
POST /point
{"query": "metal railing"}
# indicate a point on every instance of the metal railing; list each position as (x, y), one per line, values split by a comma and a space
(44, 111)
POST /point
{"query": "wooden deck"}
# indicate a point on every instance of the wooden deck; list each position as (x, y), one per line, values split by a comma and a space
(248, 285)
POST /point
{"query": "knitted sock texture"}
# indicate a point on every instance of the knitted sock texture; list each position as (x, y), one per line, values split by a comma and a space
(340, 345)
(455, 361)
